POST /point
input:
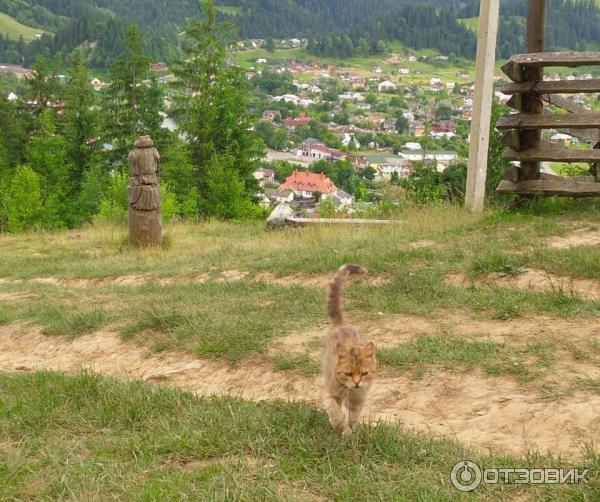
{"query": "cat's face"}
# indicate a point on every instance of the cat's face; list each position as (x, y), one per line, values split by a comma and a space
(355, 364)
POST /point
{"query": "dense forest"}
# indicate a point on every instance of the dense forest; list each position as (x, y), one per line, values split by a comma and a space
(63, 148)
(339, 28)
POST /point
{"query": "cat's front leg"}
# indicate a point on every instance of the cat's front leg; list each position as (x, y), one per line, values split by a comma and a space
(337, 418)
(355, 404)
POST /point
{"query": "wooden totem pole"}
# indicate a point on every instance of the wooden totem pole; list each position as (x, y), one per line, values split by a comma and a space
(144, 194)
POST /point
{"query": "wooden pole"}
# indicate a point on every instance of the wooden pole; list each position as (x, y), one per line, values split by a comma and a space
(482, 104)
(532, 102)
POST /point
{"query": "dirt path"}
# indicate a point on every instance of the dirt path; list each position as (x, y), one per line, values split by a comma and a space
(485, 412)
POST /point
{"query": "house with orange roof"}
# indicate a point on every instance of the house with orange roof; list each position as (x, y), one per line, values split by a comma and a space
(306, 184)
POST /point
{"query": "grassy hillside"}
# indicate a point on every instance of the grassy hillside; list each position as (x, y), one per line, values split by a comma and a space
(14, 29)
(486, 328)
(87, 438)
(471, 22)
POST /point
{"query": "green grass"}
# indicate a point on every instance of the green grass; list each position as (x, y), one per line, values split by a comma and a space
(88, 438)
(14, 29)
(471, 22)
(301, 363)
(364, 65)
(462, 354)
(233, 319)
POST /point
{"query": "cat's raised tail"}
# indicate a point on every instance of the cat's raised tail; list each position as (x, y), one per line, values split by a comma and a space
(334, 303)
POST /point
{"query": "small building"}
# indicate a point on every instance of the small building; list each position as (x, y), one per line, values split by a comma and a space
(293, 123)
(351, 97)
(271, 115)
(263, 175)
(288, 98)
(160, 66)
(441, 159)
(342, 199)
(389, 124)
(443, 129)
(394, 165)
(277, 196)
(386, 86)
(417, 128)
(561, 138)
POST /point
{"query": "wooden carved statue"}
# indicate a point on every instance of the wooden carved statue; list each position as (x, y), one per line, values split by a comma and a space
(144, 194)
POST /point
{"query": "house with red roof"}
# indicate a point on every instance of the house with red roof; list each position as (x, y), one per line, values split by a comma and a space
(292, 123)
(306, 184)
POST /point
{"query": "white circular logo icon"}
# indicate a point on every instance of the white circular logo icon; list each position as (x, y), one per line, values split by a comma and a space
(465, 475)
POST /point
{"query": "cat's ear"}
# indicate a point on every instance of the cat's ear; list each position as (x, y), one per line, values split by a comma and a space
(341, 350)
(369, 349)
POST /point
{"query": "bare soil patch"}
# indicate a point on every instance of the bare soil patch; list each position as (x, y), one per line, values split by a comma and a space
(422, 244)
(15, 297)
(486, 412)
(314, 280)
(534, 280)
(580, 237)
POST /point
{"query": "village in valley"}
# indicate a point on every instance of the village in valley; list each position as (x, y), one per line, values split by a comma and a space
(344, 132)
(372, 119)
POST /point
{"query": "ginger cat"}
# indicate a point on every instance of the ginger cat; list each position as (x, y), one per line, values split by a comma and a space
(348, 364)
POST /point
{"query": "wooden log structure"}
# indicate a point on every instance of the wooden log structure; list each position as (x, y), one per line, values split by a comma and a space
(549, 121)
(566, 187)
(523, 130)
(552, 87)
(549, 152)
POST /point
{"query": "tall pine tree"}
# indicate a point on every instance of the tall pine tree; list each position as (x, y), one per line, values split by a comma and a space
(211, 105)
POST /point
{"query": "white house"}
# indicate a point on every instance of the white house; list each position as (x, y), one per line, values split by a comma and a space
(288, 98)
(394, 165)
(442, 158)
(350, 140)
(11, 96)
(305, 102)
(351, 97)
(342, 199)
(261, 61)
(264, 175)
(412, 146)
(386, 86)
(560, 137)
(404, 71)
(276, 196)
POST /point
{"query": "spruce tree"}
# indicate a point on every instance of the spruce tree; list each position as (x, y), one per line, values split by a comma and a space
(123, 98)
(81, 118)
(210, 103)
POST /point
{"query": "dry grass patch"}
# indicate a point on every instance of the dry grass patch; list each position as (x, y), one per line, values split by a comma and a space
(580, 237)
(488, 412)
(531, 279)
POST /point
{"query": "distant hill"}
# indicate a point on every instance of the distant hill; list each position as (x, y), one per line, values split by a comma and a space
(338, 28)
(15, 30)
